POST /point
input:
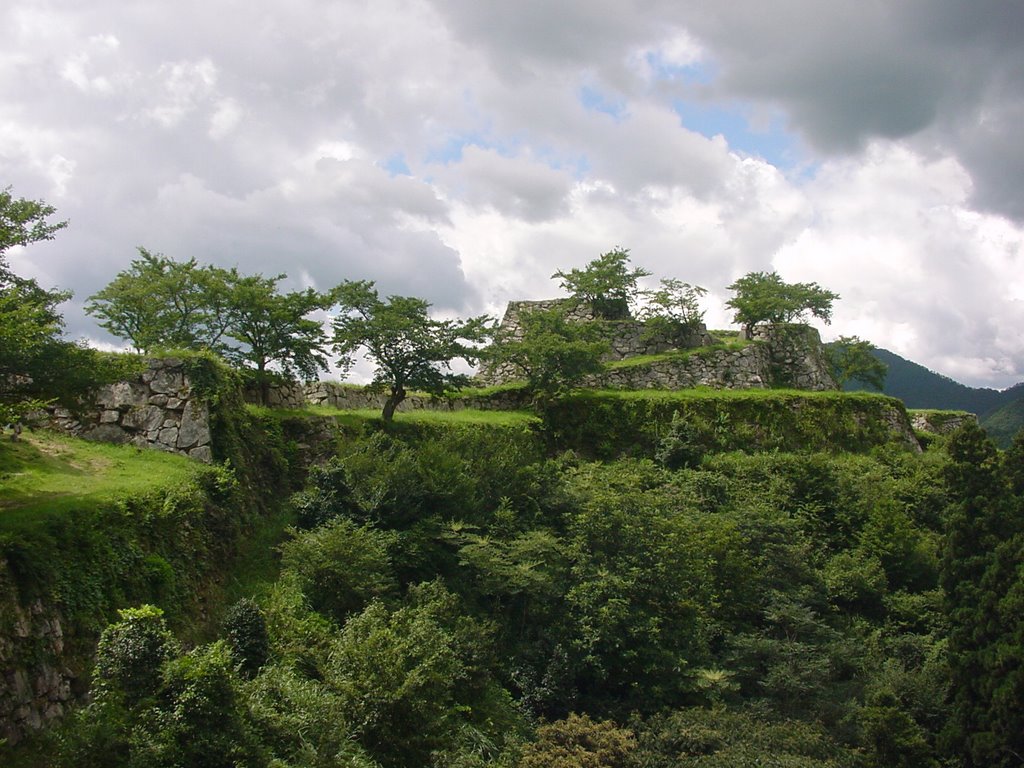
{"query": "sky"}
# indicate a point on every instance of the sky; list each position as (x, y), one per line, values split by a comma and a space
(463, 151)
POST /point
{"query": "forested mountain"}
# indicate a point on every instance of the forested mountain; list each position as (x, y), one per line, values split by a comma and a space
(919, 387)
(1001, 413)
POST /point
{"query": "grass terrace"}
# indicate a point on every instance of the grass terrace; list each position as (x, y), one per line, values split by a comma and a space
(45, 474)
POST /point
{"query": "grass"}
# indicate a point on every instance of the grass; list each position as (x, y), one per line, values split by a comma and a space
(464, 416)
(707, 393)
(45, 474)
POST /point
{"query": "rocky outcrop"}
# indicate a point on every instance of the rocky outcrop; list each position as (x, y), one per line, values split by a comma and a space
(160, 409)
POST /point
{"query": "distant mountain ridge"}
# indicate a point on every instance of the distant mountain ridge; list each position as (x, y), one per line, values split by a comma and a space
(1000, 412)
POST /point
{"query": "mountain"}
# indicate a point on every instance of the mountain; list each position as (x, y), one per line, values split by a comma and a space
(1001, 413)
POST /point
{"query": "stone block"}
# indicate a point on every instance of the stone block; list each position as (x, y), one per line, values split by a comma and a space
(195, 426)
(201, 453)
(106, 433)
(167, 381)
(121, 395)
(168, 437)
(144, 419)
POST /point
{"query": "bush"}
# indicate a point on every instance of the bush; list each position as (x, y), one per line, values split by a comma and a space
(246, 631)
(131, 653)
(579, 742)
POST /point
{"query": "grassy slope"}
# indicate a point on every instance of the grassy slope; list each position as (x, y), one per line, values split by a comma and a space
(45, 474)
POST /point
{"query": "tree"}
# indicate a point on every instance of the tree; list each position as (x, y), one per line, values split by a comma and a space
(273, 328)
(552, 354)
(762, 297)
(984, 596)
(672, 310)
(23, 222)
(35, 362)
(161, 303)
(852, 360)
(606, 284)
(579, 742)
(410, 349)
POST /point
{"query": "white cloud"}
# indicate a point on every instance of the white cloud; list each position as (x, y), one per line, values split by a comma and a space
(262, 135)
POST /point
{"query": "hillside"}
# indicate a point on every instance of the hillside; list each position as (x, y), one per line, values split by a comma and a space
(641, 577)
(466, 590)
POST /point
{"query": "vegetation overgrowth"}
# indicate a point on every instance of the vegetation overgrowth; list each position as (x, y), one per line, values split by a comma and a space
(457, 595)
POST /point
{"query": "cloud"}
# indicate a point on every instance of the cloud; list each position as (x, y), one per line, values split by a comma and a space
(464, 151)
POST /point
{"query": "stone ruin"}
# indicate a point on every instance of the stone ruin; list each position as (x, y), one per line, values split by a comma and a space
(789, 355)
(158, 410)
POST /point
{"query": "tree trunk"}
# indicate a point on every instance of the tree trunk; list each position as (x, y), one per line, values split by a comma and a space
(397, 395)
(264, 384)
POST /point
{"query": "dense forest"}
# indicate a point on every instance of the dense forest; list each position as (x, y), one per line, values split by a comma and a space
(458, 597)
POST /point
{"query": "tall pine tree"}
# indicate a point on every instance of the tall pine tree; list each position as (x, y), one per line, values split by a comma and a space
(983, 578)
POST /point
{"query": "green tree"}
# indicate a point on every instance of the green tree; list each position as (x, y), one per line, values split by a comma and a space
(607, 285)
(273, 329)
(552, 353)
(36, 363)
(341, 566)
(414, 680)
(23, 222)
(852, 360)
(674, 303)
(981, 577)
(762, 297)
(410, 349)
(161, 303)
(579, 742)
(131, 652)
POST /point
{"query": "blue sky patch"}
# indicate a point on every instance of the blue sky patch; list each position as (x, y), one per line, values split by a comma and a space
(591, 98)
(396, 165)
(772, 143)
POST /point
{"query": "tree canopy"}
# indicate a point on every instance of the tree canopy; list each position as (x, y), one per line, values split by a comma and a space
(606, 284)
(552, 354)
(162, 303)
(410, 349)
(852, 360)
(36, 363)
(763, 297)
(273, 329)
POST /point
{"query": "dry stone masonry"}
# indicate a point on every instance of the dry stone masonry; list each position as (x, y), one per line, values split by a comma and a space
(777, 356)
(158, 410)
(31, 695)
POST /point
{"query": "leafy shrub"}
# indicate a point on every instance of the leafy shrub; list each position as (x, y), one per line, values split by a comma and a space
(245, 629)
(341, 566)
(132, 651)
(579, 742)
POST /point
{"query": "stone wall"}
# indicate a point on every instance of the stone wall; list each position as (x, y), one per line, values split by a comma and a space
(157, 410)
(940, 422)
(348, 397)
(626, 338)
(796, 356)
(31, 695)
(782, 355)
(779, 356)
